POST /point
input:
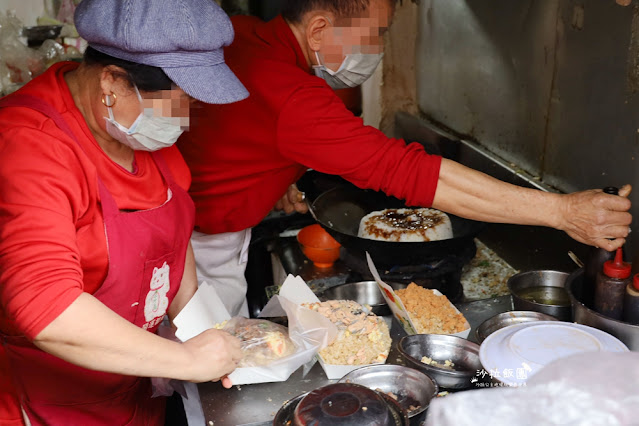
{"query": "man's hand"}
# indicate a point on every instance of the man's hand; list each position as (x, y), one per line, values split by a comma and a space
(591, 217)
(595, 218)
(292, 201)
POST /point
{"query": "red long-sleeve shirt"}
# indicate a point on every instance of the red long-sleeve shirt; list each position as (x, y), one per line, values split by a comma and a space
(52, 241)
(243, 156)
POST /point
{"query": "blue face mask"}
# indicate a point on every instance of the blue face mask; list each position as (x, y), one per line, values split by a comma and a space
(147, 133)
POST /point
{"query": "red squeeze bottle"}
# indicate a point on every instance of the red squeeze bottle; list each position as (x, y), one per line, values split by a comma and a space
(594, 263)
(610, 287)
(631, 302)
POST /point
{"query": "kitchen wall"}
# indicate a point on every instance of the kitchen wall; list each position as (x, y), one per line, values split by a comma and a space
(549, 86)
(394, 86)
(27, 10)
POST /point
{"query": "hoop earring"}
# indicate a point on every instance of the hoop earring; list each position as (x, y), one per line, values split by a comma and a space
(106, 100)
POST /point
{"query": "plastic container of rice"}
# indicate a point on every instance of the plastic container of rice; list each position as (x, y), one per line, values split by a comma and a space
(422, 311)
(362, 339)
(431, 312)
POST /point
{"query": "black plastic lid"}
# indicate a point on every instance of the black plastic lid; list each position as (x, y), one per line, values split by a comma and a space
(343, 404)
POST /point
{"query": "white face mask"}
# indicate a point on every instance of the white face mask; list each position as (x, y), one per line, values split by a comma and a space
(147, 133)
(355, 70)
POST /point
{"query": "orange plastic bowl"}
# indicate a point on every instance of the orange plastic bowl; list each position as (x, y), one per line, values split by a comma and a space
(318, 246)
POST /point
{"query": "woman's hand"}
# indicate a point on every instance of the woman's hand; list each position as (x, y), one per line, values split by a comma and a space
(292, 201)
(595, 218)
(214, 354)
(92, 336)
(226, 382)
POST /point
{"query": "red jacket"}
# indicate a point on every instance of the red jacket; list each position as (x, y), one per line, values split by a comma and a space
(243, 156)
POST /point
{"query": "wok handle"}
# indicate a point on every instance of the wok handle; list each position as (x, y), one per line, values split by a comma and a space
(310, 209)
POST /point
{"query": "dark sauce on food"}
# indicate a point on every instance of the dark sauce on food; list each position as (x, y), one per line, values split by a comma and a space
(417, 221)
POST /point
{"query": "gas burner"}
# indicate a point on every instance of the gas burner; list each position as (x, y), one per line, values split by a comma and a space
(277, 255)
(441, 274)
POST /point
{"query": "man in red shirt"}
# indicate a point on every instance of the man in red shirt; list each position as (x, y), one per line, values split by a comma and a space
(245, 156)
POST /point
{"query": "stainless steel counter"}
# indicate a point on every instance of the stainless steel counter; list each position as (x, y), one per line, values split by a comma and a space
(256, 405)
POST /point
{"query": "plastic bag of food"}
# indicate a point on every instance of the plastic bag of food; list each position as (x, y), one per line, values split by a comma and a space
(587, 389)
(262, 341)
(309, 330)
(18, 63)
(15, 56)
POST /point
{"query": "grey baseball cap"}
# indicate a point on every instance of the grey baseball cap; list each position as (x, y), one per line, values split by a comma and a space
(185, 38)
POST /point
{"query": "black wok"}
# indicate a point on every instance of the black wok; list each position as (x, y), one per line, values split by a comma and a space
(340, 210)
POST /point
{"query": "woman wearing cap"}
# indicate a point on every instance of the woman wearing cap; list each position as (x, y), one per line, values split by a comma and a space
(95, 219)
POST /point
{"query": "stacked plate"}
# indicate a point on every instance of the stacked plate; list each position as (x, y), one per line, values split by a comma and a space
(515, 353)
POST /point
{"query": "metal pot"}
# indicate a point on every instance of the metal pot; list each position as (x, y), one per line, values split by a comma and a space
(582, 314)
(506, 319)
(340, 210)
(549, 293)
(362, 292)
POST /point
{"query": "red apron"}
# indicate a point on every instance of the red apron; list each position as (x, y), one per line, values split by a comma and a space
(146, 252)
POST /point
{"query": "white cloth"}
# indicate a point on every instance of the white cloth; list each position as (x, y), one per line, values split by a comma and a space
(220, 259)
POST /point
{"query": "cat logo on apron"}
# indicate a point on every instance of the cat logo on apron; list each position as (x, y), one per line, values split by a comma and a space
(156, 302)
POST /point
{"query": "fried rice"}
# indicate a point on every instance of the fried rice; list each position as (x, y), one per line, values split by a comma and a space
(431, 313)
(363, 337)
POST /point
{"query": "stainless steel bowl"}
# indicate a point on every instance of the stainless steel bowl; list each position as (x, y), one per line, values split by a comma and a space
(364, 293)
(398, 413)
(508, 318)
(440, 347)
(285, 414)
(626, 332)
(412, 388)
(541, 291)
